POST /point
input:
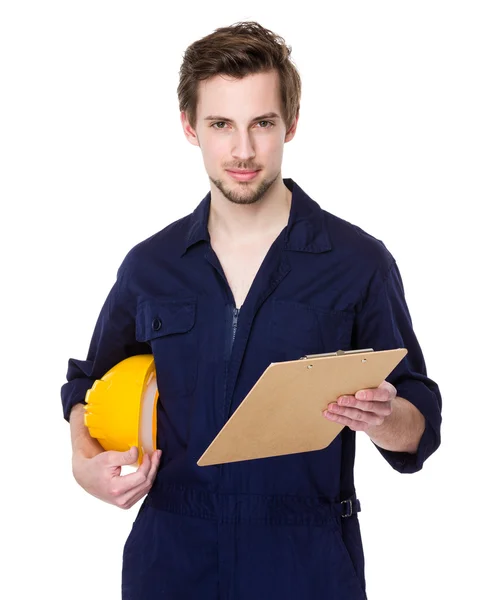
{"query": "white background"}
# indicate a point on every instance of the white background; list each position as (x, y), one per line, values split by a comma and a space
(93, 160)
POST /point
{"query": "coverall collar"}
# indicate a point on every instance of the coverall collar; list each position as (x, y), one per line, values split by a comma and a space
(306, 230)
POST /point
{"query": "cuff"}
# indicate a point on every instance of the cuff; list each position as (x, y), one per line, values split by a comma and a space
(74, 392)
(427, 400)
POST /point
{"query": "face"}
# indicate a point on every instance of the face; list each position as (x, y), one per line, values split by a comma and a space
(240, 127)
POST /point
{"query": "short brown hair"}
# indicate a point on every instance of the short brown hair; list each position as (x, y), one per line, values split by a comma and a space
(242, 49)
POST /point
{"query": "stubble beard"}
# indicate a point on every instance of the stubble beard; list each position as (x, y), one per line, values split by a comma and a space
(245, 194)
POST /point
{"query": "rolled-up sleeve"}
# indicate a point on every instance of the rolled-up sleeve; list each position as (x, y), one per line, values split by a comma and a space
(113, 339)
(383, 322)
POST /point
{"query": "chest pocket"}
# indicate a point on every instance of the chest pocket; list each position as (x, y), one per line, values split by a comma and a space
(297, 329)
(168, 327)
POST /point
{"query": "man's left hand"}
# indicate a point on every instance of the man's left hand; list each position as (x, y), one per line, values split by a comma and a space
(366, 409)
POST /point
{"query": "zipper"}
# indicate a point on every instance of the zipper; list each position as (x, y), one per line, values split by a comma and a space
(229, 342)
(234, 325)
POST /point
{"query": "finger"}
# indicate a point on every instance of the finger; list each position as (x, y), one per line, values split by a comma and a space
(117, 459)
(129, 498)
(345, 421)
(139, 476)
(156, 459)
(144, 475)
(374, 395)
(353, 414)
(121, 484)
(380, 408)
(389, 386)
(145, 465)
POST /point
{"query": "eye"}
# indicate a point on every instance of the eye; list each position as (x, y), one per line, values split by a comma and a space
(269, 122)
(259, 122)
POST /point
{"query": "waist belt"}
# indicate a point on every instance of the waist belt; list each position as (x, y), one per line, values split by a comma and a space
(230, 507)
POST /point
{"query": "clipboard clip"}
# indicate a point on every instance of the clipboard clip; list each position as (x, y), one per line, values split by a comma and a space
(337, 353)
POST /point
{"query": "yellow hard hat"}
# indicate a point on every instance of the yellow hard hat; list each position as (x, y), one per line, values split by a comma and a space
(120, 410)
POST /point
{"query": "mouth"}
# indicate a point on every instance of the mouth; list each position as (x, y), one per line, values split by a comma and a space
(242, 175)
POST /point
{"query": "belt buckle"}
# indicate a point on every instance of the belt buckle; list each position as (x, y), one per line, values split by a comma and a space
(349, 508)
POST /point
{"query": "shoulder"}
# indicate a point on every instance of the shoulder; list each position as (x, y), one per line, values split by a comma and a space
(358, 247)
(159, 247)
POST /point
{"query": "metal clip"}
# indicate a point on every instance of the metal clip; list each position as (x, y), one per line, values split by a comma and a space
(337, 353)
(349, 508)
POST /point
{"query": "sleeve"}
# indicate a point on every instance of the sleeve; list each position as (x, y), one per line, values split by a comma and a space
(383, 322)
(114, 338)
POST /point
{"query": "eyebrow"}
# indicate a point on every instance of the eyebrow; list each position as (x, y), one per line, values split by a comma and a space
(270, 115)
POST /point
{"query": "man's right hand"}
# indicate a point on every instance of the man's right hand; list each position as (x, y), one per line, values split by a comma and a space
(100, 475)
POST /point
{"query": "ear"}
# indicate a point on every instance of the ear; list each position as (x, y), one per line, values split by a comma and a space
(188, 131)
(291, 132)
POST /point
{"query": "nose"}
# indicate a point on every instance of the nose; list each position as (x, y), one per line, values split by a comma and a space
(243, 146)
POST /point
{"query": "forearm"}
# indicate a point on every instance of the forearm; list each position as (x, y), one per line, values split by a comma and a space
(81, 441)
(402, 430)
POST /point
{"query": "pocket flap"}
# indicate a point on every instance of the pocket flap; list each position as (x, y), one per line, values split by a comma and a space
(158, 318)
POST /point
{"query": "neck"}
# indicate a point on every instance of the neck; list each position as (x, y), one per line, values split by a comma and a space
(248, 222)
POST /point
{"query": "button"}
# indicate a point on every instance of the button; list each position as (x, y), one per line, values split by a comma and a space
(156, 324)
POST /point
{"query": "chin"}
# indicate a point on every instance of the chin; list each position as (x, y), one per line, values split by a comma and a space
(244, 192)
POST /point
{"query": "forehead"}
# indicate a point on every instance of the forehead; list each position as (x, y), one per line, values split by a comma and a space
(252, 94)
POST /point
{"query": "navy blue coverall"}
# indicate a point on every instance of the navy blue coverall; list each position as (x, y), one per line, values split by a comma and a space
(267, 528)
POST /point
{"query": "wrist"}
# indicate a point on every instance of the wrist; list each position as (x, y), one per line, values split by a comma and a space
(82, 443)
(89, 450)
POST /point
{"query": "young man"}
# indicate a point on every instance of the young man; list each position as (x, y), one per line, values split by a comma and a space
(258, 273)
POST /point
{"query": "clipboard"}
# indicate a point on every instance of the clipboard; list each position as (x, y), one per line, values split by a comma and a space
(282, 413)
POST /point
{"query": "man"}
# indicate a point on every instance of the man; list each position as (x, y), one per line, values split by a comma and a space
(258, 273)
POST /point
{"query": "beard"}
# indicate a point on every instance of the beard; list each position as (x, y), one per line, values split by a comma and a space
(245, 194)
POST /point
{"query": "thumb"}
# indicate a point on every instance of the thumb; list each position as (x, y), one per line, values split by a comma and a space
(131, 455)
(128, 457)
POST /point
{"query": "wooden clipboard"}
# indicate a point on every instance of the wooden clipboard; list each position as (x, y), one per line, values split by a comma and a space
(282, 413)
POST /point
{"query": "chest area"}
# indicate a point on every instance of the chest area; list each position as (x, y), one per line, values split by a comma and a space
(240, 266)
